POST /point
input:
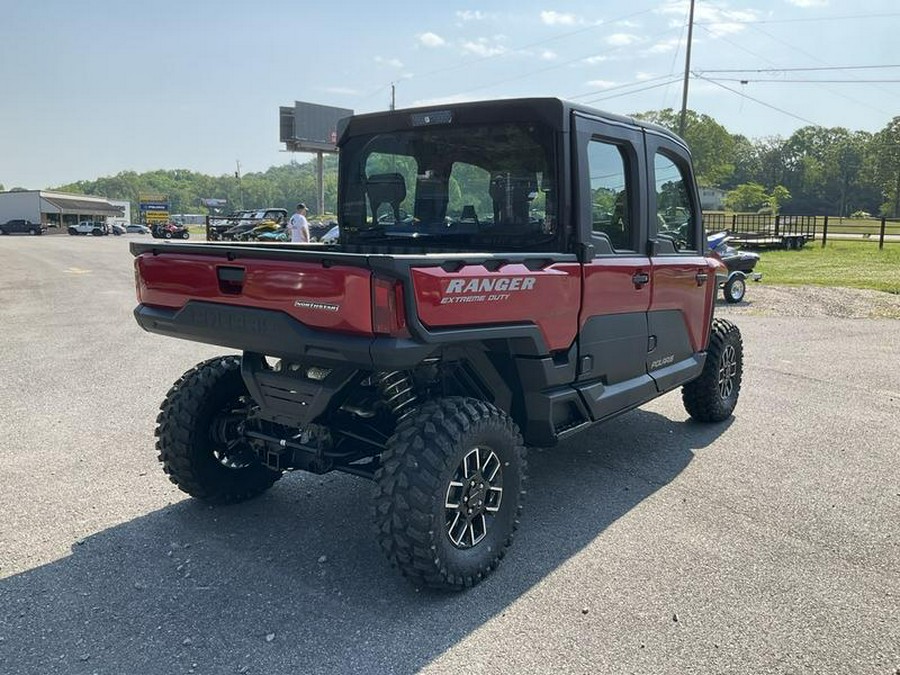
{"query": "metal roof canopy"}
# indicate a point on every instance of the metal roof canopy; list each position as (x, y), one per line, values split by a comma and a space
(83, 205)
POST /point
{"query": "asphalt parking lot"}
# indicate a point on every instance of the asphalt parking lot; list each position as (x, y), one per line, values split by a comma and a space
(767, 544)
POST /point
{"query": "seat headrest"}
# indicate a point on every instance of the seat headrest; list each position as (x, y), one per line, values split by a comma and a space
(386, 187)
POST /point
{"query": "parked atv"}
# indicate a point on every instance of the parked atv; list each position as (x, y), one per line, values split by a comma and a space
(740, 266)
(169, 231)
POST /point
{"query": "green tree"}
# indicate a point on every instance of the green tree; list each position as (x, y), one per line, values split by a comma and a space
(883, 159)
(778, 197)
(712, 147)
(747, 197)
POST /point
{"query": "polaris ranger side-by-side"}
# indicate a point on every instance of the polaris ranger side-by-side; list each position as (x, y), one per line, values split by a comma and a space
(508, 273)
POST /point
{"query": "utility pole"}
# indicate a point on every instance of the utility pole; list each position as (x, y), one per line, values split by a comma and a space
(393, 96)
(237, 174)
(687, 71)
(320, 182)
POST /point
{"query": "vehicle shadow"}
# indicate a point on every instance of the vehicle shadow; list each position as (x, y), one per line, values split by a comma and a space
(294, 582)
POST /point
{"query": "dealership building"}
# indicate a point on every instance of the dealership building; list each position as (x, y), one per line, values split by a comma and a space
(57, 210)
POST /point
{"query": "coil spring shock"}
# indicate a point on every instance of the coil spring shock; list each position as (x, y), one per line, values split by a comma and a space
(398, 391)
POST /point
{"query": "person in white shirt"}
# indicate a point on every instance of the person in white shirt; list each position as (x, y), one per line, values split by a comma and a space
(298, 225)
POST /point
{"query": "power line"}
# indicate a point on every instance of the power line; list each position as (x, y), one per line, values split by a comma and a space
(815, 57)
(756, 100)
(793, 70)
(766, 59)
(621, 86)
(468, 62)
(532, 73)
(635, 91)
(802, 19)
(746, 80)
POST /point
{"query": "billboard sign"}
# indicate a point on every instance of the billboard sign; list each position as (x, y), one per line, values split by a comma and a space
(154, 207)
(310, 127)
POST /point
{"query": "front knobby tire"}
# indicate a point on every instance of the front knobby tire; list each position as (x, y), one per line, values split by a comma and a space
(713, 396)
(197, 438)
(448, 495)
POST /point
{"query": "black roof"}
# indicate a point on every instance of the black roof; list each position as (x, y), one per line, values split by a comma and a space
(554, 112)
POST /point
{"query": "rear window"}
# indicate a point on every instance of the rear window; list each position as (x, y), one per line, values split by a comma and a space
(489, 187)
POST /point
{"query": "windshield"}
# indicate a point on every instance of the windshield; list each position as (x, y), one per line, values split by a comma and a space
(490, 187)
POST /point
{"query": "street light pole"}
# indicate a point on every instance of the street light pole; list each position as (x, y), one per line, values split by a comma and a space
(687, 71)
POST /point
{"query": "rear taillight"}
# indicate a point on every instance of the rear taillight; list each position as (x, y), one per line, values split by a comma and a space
(137, 279)
(388, 315)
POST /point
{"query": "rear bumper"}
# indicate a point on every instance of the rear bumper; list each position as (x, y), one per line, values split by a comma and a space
(276, 334)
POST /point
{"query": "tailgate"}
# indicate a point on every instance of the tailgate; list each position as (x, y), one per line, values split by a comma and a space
(329, 297)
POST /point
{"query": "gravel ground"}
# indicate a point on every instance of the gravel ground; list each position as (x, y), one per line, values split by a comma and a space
(813, 301)
(767, 544)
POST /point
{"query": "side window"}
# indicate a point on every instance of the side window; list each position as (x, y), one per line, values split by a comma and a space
(610, 194)
(674, 214)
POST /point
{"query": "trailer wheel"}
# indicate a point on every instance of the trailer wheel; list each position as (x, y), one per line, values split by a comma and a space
(734, 289)
(713, 396)
(197, 435)
(449, 491)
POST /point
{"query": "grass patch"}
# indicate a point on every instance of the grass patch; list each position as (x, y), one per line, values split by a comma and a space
(847, 264)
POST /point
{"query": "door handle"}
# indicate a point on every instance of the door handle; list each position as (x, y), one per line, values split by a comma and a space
(701, 278)
(640, 279)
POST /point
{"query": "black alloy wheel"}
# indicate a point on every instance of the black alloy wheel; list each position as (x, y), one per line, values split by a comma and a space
(474, 495)
(199, 436)
(448, 495)
(713, 396)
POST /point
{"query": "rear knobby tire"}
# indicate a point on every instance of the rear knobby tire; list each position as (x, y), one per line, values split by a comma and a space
(423, 485)
(713, 396)
(207, 399)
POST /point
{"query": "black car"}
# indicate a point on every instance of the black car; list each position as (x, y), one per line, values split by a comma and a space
(21, 225)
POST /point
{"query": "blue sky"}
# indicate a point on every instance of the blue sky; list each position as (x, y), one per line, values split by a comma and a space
(91, 88)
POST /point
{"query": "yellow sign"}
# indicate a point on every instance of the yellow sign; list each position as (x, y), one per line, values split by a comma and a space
(156, 216)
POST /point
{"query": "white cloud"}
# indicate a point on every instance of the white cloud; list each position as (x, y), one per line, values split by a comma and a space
(549, 55)
(601, 84)
(718, 18)
(482, 48)
(809, 3)
(628, 24)
(552, 18)
(393, 63)
(594, 60)
(431, 40)
(641, 76)
(343, 91)
(664, 46)
(621, 39)
(470, 15)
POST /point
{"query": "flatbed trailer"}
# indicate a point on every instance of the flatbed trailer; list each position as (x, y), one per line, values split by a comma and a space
(753, 230)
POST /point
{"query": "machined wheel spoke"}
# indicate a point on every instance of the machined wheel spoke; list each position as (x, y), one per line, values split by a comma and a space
(492, 501)
(490, 475)
(457, 540)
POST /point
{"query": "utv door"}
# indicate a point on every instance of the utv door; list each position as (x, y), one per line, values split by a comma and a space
(683, 281)
(617, 280)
